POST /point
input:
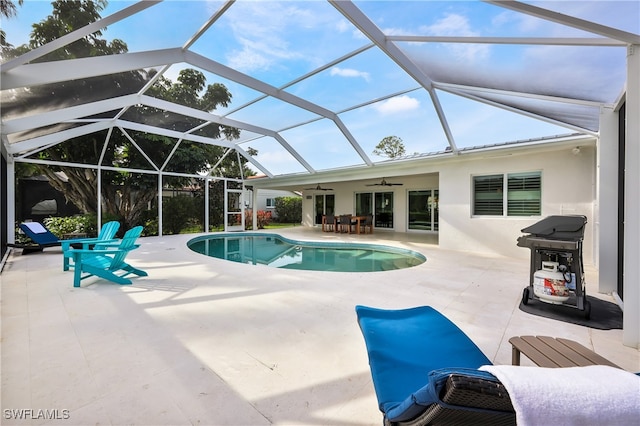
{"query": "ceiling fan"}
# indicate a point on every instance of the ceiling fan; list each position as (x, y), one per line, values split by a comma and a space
(318, 188)
(383, 182)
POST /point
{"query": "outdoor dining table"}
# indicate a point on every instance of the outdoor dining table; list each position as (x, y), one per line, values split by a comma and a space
(358, 221)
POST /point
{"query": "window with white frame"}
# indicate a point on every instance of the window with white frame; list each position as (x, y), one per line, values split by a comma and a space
(271, 202)
(523, 194)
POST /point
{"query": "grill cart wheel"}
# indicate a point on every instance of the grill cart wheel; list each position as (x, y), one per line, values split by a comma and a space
(587, 308)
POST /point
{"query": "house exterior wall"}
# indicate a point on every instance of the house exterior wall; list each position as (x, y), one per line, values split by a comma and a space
(568, 188)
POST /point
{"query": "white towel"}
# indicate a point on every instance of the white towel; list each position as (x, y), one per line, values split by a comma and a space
(594, 395)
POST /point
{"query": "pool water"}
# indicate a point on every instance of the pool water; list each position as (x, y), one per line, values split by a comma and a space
(279, 252)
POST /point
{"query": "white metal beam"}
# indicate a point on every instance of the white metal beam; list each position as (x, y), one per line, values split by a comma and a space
(57, 137)
(77, 34)
(72, 69)
(571, 21)
(369, 29)
(255, 84)
(66, 114)
(545, 41)
(191, 112)
(521, 112)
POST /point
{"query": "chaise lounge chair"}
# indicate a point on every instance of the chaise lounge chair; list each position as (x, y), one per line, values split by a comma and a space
(426, 371)
(106, 235)
(40, 235)
(108, 261)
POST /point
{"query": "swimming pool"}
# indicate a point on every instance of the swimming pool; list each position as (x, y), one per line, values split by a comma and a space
(280, 252)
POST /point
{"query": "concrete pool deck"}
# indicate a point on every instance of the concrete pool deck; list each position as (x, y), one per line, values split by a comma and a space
(211, 342)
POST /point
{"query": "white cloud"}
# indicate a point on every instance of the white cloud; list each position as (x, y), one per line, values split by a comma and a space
(457, 25)
(342, 26)
(350, 73)
(398, 104)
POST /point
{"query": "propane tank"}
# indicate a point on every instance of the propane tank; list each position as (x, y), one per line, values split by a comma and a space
(549, 284)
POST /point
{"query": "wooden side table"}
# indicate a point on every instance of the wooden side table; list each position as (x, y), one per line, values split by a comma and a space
(547, 351)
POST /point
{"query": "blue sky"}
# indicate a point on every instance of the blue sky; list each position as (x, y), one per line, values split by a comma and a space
(278, 42)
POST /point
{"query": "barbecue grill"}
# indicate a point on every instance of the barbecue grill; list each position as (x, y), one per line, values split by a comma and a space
(558, 239)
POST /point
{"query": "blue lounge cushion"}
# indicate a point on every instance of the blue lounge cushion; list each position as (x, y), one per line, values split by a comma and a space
(404, 347)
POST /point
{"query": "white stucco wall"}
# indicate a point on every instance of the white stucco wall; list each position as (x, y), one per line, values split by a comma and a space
(568, 188)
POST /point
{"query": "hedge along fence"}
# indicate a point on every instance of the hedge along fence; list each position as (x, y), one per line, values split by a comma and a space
(289, 209)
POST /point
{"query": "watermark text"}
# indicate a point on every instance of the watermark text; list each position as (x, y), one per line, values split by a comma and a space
(35, 414)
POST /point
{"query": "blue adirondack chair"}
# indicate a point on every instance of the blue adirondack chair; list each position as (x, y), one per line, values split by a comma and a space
(106, 235)
(108, 261)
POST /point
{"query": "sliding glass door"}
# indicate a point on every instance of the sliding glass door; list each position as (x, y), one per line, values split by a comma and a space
(324, 205)
(423, 210)
(383, 202)
(379, 204)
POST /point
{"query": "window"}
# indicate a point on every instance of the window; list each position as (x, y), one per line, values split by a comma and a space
(523, 194)
(271, 202)
(487, 195)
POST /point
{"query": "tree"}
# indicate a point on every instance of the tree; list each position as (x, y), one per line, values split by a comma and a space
(8, 8)
(390, 146)
(125, 194)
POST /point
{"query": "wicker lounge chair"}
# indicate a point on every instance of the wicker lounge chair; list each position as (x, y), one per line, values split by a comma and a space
(108, 261)
(424, 370)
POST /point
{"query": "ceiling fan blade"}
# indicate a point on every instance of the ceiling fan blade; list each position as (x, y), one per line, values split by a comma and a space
(318, 188)
(383, 182)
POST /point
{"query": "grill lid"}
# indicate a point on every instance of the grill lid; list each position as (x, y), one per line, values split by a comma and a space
(559, 227)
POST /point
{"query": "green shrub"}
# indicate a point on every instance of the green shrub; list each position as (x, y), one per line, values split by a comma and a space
(68, 225)
(289, 209)
(178, 213)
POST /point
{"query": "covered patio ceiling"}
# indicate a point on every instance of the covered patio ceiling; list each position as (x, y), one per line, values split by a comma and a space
(316, 85)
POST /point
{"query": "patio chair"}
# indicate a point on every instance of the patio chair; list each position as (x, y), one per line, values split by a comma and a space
(329, 223)
(425, 370)
(108, 261)
(106, 235)
(368, 223)
(345, 223)
(40, 235)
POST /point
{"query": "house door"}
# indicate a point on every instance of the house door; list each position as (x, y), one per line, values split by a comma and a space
(423, 210)
(233, 206)
(325, 204)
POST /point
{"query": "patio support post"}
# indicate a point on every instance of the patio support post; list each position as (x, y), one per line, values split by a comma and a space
(99, 197)
(254, 204)
(160, 204)
(11, 200)
(631, 318)
(206, 204)
(606, 208)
